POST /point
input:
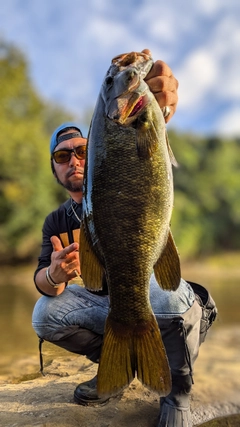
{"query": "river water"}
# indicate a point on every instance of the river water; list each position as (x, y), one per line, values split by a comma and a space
(18, 296)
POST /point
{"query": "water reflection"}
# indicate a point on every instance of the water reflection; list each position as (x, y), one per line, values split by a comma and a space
(15, 318)
(18, 296)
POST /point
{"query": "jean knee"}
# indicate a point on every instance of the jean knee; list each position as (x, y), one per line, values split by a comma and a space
(42, 321)
(41, 310)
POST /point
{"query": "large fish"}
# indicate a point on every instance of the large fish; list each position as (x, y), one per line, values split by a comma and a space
(125, 233)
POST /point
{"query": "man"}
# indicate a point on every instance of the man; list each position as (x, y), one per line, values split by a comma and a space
(71, 317)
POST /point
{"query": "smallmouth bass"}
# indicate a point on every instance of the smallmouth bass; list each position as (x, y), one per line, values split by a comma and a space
(125, 232)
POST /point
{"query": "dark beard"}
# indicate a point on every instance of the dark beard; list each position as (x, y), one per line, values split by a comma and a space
(74, 188)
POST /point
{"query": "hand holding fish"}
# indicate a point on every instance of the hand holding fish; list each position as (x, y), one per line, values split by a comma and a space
(163, 85)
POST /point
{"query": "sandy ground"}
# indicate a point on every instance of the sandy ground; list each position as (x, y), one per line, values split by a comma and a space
(27, 399)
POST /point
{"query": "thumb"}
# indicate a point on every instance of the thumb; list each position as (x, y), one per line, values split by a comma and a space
(147, 51)
(56, 242)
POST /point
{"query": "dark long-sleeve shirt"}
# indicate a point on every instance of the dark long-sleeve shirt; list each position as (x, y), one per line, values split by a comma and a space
(61, 223)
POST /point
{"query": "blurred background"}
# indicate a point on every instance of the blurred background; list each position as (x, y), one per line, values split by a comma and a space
(53, 57)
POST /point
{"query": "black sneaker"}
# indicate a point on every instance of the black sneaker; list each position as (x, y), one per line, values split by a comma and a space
(86, 394)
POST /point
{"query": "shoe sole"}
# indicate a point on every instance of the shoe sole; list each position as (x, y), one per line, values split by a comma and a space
(88, 402)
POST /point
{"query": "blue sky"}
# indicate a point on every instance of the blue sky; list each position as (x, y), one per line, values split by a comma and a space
(69, 45)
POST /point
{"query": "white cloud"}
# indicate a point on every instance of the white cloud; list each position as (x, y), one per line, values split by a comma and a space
(225, 46)
(210, 8)
(229, 123)
(69, 45)
(196, 77)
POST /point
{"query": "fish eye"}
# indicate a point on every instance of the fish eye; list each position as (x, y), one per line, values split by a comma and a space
(109, 80)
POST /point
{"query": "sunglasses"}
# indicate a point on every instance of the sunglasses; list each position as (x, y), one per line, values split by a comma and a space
(64, 156)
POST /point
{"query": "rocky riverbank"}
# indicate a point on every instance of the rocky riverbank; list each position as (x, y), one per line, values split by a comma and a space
(27, 399)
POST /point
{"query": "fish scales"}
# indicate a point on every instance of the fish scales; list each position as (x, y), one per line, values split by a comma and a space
(127, 206)
(127, 225)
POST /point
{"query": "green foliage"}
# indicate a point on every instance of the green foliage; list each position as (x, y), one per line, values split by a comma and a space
(206, 217)
(28, 191)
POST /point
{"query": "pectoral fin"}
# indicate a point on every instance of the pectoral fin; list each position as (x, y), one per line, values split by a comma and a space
(170, 152)
(167, 269)
(92, 271)
(146, 139)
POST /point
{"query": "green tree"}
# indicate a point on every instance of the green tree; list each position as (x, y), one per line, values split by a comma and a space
(27, 188)
(206, 215)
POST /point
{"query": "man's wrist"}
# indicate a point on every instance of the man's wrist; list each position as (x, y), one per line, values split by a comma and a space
(50, 280)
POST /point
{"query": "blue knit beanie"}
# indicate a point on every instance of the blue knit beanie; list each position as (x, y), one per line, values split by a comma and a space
(54, 138)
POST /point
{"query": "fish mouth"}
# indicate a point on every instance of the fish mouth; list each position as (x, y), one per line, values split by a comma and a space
(134, 110)
(126, 109)
(141, 103)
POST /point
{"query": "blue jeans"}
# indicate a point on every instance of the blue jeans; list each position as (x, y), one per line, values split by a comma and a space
(77, 306)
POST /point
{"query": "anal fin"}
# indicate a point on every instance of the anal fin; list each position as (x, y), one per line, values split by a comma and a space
(92, 271)
(167, 269)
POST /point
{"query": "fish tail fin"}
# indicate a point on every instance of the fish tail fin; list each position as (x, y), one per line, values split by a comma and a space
(151, 359)
(127, 350)
(115, 369)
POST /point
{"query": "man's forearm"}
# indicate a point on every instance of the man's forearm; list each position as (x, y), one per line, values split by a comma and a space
(43, 284)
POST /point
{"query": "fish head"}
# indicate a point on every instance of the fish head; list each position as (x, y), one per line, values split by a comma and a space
(139, 60)
(124, 91)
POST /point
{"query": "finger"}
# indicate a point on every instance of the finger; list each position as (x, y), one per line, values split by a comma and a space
(76, 273)
(172, 111)
(57, 246)
(159, 68)
(162, 83)
(147, 51)
(56, 243)
(167, 99)
(71, 249)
